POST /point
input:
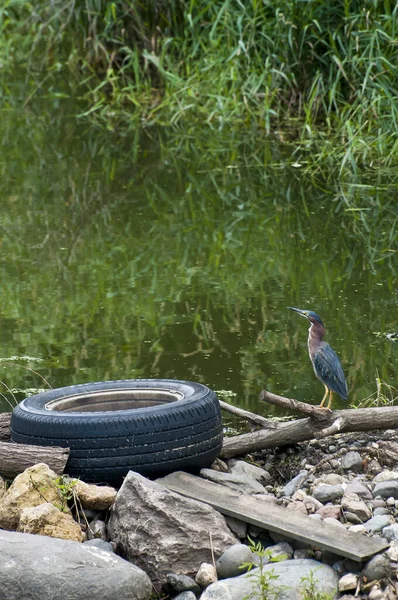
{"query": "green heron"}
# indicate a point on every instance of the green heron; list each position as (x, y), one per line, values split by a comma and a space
(326, 363)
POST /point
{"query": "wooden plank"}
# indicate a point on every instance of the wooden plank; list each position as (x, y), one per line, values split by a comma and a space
(274, 518)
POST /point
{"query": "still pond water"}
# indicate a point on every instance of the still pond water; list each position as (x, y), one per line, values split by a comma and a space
(174, 254)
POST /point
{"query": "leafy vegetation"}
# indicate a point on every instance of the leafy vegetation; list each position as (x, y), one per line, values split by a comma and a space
(321, 76)
(265, 585)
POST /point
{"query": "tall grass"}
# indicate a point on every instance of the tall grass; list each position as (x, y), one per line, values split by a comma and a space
(324, 73)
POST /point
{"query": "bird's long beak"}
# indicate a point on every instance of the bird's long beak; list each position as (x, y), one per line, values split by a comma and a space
(303, 313)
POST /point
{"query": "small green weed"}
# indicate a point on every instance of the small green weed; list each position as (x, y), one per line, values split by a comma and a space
(263, 581)
(307, 590)
(66, 487)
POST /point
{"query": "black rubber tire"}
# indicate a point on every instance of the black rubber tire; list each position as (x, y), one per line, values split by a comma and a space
(104, 445)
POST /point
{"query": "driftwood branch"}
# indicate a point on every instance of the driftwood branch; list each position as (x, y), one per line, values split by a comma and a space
(320, 423)
(247, 415)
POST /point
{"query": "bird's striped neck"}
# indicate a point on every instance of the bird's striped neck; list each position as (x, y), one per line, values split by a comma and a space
(315, 337)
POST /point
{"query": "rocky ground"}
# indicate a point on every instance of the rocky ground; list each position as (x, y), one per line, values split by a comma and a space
(144, 541)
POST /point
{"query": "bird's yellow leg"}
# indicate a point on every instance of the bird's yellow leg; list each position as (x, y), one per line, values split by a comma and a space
(329, 406)
(324, 397)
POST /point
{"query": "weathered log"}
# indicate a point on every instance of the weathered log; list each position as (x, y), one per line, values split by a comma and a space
(5, 434)
(247, 415)
(321, 423)
(15, 458)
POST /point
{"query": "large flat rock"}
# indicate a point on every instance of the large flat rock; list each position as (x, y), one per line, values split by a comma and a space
(287, 585)
(37, 567)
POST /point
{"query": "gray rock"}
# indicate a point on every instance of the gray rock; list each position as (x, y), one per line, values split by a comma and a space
(244, 484)
(332, 479)
(287, 586)
(386, 489)
(358, 488)
(230, 562)
(377, 502)
(377, 523)
(377, 567)
(302, 553)
(34, 566)
(392, 552)
(328, 493)
(185, 596)
(239, 528)
(348, 582)
(357, 529)
(282, 549)
(206, 575)
(352, 461)
(358, 507)
(380, 510)
(182, 583)
(333, 522)
(330, 510)
(101, 544)
(352, 518)
(162, 532)
(386, 475)
(97, 529)
(390, 532)
(245, 469)
(312, 504)
(294, 484)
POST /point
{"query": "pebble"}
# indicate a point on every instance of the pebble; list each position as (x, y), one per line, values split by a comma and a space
(238, 527)
(185, 596)
(230, 562)
(98, 543)
(358, 488)
(294, 484)
(245, 469)
(375, 593)
(351, 504)
(348, 582)
(381, 510)
(297, 507)
(330, 510)
(386, 489)
(206, 575)
(385, 475)
(377, 568)
(357, 529)
(352, 461)
(377, 523)
(352, 518)
(182, 583)
(312, 504)
(279, 550)
(334, 522)
(328, 493)
(333, 479)
(302, 553)
(392, 552)
(378, 502)
(390, 532)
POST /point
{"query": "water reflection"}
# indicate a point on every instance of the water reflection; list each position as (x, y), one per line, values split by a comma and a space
(175, 254)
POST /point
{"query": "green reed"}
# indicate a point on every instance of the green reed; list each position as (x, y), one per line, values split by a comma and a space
(322, 75)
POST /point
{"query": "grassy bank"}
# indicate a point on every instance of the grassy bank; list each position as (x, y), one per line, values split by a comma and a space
(322, 74)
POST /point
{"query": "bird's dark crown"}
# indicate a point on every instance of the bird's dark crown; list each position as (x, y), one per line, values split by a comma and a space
(308, 314)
